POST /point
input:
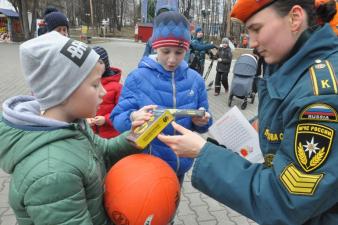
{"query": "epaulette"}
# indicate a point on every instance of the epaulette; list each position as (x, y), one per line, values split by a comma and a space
(324, 80)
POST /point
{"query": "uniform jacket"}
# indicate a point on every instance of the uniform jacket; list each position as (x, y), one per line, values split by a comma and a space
(57, 169)
(226, 56)
(151, 84)
(113, 88)
(298, 128)
(200, 47)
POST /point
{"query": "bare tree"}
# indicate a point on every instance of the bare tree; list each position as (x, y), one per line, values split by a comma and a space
(21, 7)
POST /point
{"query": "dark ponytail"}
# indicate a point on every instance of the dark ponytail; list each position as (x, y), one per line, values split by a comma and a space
(325, 11)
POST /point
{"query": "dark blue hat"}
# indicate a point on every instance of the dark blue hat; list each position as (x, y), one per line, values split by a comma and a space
(49, 9)
(198, 29)
(104, 57)
(171, 29)
(56, 19)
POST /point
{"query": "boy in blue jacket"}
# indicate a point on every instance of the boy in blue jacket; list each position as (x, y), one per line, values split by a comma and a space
(165, 80)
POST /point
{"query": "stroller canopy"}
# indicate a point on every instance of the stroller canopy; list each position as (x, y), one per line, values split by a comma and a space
(246, 65)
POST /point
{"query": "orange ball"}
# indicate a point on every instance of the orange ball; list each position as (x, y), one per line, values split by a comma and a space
(141, 189)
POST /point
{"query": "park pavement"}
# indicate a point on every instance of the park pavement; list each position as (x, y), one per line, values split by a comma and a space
(195, 208)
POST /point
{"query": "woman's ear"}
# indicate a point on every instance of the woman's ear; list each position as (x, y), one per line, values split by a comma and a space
(297, 18)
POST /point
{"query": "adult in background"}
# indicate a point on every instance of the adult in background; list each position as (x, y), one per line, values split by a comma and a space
(298, 125)
(224, 58)
(199, 47)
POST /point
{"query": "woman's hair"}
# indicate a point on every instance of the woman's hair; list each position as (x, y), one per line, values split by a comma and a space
(283, 7)
(326, 10)
(323, 11)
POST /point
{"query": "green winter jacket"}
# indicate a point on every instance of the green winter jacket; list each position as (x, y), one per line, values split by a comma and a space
(57, 169)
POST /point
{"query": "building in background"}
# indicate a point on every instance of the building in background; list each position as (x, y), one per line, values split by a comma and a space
(9, 22)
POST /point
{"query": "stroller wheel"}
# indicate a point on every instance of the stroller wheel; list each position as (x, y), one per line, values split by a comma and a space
(243, 106)
(253, 98)
(230, 100)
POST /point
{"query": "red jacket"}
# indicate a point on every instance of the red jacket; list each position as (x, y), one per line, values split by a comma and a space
(113, 88)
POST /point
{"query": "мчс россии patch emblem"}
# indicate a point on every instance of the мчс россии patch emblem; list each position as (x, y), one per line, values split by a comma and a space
(312, 145)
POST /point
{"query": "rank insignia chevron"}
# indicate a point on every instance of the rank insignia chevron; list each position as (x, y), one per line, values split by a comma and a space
(299, 183)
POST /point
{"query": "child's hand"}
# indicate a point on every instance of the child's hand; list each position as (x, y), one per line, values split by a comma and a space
(90, 121)
(201, 120)
(99, 120)
(143, 114)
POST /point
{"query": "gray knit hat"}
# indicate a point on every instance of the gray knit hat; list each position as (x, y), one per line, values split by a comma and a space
(54, 66)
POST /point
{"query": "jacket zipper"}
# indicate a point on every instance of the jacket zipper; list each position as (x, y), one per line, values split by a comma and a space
(78, 126)
(174, 106)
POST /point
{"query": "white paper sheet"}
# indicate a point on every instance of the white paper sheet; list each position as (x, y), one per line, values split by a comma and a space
(235, 132)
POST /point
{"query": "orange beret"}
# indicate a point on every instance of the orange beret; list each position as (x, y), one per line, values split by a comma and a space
(244, 9)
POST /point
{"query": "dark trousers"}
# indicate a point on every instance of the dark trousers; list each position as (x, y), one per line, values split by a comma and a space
(221, 77)
(200, 70)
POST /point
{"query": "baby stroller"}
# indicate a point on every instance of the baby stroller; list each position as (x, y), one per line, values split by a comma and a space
(244, 73)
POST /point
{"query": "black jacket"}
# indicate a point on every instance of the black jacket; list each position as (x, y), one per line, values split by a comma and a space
(226, 56)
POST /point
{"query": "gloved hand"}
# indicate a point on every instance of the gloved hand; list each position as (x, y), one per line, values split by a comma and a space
(219, 60)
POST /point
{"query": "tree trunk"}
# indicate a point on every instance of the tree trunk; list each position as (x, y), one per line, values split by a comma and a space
(186, 12)
(121, 15)
(24, 15)
(34, 16)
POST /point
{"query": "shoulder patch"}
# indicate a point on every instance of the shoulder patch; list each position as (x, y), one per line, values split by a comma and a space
(323, 78)
(299, 183)
(319, 112)
(313, 144)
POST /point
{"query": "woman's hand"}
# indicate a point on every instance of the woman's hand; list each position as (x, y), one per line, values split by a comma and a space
(189, 144)
(201, 120)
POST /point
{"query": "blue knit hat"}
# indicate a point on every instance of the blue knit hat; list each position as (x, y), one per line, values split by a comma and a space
(171, 29)
(198, 29)
(49, 9)
(56, 19)
(104, 57)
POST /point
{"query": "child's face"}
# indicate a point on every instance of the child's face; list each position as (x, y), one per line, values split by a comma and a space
(62, 30)
(170, 57)
(85, 100)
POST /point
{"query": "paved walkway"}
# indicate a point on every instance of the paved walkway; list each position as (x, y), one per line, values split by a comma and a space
(195, 208)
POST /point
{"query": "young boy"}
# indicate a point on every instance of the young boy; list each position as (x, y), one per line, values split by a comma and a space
(57, 21)
(57, 164)
(110, 80)
(165, 80)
